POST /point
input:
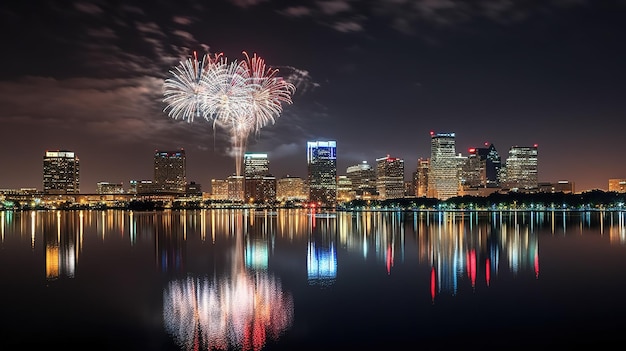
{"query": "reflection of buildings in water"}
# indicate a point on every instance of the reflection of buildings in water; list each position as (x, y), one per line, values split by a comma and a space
(519, 244)
(321, 264)
(292, 223)
(241, 310)
(378, 233)
(109, 222)
(257, 254)
(62, 232)
(617, 230)
(464, 247)
(3, 223)
(259, 230)
(170, 232)
(445, 251)
(321, 251)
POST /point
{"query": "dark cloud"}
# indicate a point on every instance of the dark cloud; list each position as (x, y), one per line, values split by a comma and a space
(88, 8)
(247, 3)
(332, 8)
(296, 11)
(185, 21)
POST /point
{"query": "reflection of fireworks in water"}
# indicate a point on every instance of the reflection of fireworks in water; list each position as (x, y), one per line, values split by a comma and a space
(241, 97)
(243, 312)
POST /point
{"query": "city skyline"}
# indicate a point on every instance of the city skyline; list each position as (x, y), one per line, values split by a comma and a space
(376, 77)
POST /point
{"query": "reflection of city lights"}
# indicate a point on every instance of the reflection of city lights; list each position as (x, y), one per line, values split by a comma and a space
(257, 255)
(471, 265)
(487, 272)
(389, 258)
(321, 264)
(536, 264)
(433, 287)
(32, 230)
(242, 312)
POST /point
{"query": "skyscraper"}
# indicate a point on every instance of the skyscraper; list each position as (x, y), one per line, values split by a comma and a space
(482, 168)
(219, 189)
(235, 188)
(522, 167)
(255, 165)
(473, 171)
(61, 172)
(322, 172)
(443, 181)
(363, 179)
(493, 164)
(259, 184)
(170, 171)
(421, 177)
(390, 177)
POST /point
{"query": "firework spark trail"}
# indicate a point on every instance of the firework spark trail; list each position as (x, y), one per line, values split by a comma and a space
(241, 96)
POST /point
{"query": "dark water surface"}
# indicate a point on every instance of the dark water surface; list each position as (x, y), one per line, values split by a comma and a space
(294, 280)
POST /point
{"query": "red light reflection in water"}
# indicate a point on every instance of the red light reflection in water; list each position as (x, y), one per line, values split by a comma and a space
(487, 271)
(471, 266)
(432, 284)
(536, 265)
(389, 259)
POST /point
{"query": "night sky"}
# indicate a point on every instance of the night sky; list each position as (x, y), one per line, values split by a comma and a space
(376, 76)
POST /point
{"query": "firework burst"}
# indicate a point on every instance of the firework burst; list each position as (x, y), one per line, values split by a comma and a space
(239, 96)
(269, 91)
(185, 91)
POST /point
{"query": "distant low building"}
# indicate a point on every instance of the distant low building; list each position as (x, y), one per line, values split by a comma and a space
(219, 189)
(618, 185)
(147, 187)
(344, 189)
(193, 188)
(562, 186)
(109, 188)
(235, 188)
(291, 189)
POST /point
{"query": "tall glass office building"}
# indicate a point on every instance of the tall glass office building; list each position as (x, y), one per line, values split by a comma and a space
(61, 172)
(322, 172)
(259, 184)
(363, 179)
(522, 167)
(170, 171)
(255, 164)
(443, 180)
(390, 177)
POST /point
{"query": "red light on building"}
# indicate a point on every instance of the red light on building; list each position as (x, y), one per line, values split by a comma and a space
(472, 150)
(432, 133)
